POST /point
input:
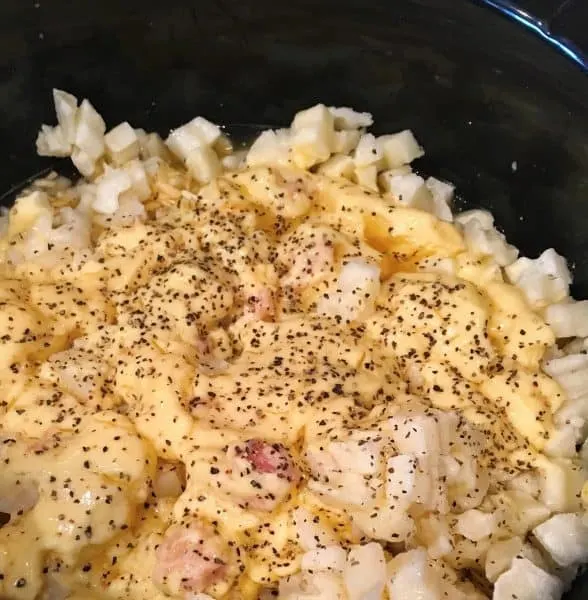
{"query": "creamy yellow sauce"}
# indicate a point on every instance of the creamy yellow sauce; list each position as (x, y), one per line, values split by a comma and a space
(197, 331)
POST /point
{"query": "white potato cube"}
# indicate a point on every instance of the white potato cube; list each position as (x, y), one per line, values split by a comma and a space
(194, 134)
(90, 118)
(410, 190)
(83, 162)
(339, 165)
(367, 152)
(475, 525)
(526, 581)
(51, 141)
(357, 456)
(140, 182)
(345, 141)
(235, 161)
(310, 146)
(543, 280)
(310, 533)
(488, 242)
(358, 284)
(401, 479)
(500, 556)
(154, 146)
(400, 148)
(108, 189)
(365, 572)
(411, 577)
(565, 538)
(271, 147)
(66, 108)
(203, 164)
(317, 117)
(122, 144)
(568, 319)
(347, 118)
(26, 210)
(442, 193)
(367, 177)
(330, 558)
(484, 217)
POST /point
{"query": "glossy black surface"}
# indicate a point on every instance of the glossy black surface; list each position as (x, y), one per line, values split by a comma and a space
(480, 92)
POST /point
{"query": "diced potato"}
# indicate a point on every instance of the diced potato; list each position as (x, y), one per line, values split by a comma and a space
(139, 181)
(338, 165)
(367, 152)
(194, 134)
(568, 319)
(526, 581)
(367, 177)
(51, 141)
(500, 556)
(358, 285)
(83, 162)
(475, 524)
(122, 144)
(365, 572)
(66, 107)
(442, 193)
(310, 146)
(330, 558)
(345, 141)
(487, 241)
(565, 538)
(203, 164)
(26, 210)
(271, 147)
(90, 130)
(410, 577)
(347, 118)
(108, 189)
(400, 148)
(544, 280)
(410, 190)
(484, 217)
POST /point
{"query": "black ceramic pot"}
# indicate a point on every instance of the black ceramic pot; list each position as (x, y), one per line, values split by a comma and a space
(480, 90)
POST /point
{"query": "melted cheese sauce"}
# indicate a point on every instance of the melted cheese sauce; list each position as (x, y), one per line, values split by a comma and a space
(194, 338)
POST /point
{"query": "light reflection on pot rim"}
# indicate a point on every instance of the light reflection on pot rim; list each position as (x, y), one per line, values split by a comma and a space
(540, 28)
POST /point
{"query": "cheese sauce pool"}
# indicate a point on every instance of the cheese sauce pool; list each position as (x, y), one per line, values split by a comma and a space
(277, 362)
